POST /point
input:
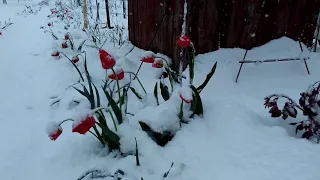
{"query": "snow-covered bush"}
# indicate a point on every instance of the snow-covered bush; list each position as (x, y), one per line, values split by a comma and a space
(309, 104)
(62, 13)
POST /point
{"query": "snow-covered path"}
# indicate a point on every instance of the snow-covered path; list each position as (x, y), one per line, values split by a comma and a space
(27, 79)
(24, 75)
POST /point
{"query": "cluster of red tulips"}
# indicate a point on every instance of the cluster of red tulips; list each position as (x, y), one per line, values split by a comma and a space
(82, 127)
(108, 61)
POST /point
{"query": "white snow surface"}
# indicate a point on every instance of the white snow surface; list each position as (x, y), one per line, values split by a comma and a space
(235, 140)
(147, 54)
(52, 127)
(186, 92)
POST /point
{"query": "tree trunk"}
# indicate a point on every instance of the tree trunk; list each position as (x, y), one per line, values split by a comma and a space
(4, 1)
(108, 15)
(85, 17)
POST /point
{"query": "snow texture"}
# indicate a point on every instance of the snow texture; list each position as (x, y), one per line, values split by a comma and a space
(80, 116)
(117, 69)
(186, 92)
(147, 54)
(52, 127)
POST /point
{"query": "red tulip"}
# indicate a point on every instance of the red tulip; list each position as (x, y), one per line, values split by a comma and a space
(107, 60)
(75, 59)
(49, 24)
(66, 37)
(64, 45)
(55, 54)
(184, 41)
(186, 100)
(55, 134)
(0, 33)
(157, 64)
(84, 125)
(148, 59)
(119, 75)
(185, 94)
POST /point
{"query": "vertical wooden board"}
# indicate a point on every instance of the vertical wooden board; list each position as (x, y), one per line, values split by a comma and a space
(300, 17)
(211, 26)
(224, 18)
(292, 30)
(131, 20)
(150, 22)
(248, 39)
(142, 23)
(177, 24)
(267, 22)
(169, 31)
(194, 20)
(136, 23)
(165, 36)
(282, 18)
(161, 24)
(310, 21)
(200, 26)
(236, 23)
(156, 20)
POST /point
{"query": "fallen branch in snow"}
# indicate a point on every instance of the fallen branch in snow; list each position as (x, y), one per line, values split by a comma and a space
(6, 26)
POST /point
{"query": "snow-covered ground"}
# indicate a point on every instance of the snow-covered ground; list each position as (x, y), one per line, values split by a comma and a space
(237, 139)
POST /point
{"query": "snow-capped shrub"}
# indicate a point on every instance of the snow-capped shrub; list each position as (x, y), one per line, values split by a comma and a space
(309, 104)
(61, 12)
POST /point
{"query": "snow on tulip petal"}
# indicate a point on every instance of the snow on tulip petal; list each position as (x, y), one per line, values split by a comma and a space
(54, 130)
(107, 60)
(184, 41)
(148, 57)
(75, 59)
(83, 126)
(66, 37)
(157, 64)
(185, 94)
(55, 53)
(64, 45)
(119, 74)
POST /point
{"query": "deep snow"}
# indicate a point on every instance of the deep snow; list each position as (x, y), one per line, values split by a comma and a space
(236, 139)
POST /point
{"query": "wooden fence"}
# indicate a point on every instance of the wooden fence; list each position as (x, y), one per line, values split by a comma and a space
(214, 24)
